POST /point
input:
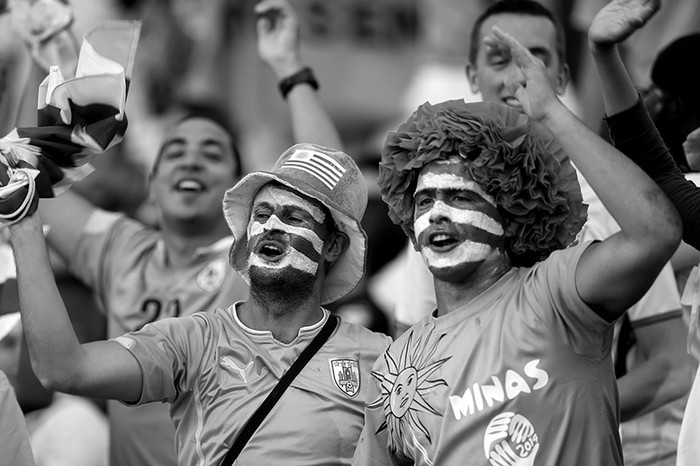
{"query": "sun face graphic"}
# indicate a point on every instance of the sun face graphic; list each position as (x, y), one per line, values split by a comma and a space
(404, 385)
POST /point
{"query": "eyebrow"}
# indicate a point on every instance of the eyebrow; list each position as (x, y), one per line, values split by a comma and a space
(291, 208)
(180, 140)
(539, 50)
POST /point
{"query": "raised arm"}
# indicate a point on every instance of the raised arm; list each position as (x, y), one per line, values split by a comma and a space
(631, 128)
(278, 46)
(14, 73)
(101, 369)
(650, 227)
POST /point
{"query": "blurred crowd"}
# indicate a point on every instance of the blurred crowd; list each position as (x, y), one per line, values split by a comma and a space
(375, 62)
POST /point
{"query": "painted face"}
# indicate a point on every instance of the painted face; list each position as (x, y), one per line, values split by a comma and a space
(455, 222)
(194, 169)
(285, 230)
(492, 67)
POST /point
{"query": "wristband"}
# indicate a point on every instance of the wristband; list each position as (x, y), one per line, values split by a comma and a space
(304, 75)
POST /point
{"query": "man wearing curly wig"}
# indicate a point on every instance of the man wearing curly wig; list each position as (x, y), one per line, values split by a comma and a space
(514, 367)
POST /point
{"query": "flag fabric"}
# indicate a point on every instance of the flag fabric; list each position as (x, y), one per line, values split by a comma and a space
(78, 118)
(319, 165)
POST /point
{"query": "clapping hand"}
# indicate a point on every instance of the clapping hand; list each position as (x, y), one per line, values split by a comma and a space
(278, 36)
(619, 19)
(532, 88)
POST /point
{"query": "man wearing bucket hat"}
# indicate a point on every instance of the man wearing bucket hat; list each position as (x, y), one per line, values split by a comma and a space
(514, 366)
(140, 274)
(298, 240)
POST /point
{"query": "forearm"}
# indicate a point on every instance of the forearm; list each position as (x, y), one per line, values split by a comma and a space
(633, 133)
(618, 90)
(311, 121)
(14, 74)
(53, 346)
(633, 199)
(650, 386)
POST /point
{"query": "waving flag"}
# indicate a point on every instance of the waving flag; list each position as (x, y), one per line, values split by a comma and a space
(78, 118)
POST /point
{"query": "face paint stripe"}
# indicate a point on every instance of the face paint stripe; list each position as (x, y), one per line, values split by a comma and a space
(301, 244)
(469, 234)
(465, 217)
(449, 181)
(467, 252)
(274, 223)
(285, 198)
(294, 259)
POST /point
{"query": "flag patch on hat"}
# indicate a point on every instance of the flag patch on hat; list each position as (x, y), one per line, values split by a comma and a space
(321, 166)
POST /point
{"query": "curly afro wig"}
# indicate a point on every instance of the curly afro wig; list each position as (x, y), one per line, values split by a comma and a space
(515, 161)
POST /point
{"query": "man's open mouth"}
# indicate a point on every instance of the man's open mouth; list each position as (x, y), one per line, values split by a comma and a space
(189, 185)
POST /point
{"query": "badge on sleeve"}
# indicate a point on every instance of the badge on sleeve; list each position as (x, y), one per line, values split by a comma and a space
(346, 375)
(212, 276)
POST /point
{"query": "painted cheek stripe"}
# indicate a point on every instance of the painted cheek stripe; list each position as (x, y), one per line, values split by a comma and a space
(448, 181)
(467, 233)
(293, 259)
(274, 223)
(467, 252)
(461, 216)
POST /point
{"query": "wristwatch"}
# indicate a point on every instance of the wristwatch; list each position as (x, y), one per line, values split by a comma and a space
(304, 75)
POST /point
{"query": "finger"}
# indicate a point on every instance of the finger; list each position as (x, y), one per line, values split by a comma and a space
(515, 85)
(520, 54)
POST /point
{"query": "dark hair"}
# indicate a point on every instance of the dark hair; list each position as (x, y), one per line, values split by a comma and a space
(518, 7)
(673, 100)
(215, 115)
(512, 159)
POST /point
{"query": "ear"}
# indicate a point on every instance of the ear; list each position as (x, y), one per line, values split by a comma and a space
(472, 77)
(336, 245)
(563, 77)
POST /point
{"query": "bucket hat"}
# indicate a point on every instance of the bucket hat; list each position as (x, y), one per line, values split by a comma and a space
(327, 175)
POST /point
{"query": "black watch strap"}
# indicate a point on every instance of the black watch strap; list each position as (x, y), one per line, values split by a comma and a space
(304, 75)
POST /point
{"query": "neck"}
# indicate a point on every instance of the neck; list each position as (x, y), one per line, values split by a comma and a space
(283, 318)
(453, 295)
(181, 242)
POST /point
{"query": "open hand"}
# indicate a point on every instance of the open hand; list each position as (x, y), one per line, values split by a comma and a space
(278, 36)
(532, 88)
(619, 19)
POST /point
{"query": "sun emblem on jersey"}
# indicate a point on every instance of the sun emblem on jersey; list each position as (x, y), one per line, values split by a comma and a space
(404, 385)
(346, 375)
(212, 276)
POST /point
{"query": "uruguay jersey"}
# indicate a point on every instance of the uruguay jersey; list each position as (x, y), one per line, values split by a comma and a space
(124, 263)
(215, 372)
(522, 374)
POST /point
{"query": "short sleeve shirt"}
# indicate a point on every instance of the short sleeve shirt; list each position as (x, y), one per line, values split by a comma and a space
(215, 371)
(124, 263)
(15, 448)
(521, 373)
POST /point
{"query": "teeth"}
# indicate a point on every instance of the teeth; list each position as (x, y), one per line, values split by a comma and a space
(190, 185)
(268, 249)
(440, 237)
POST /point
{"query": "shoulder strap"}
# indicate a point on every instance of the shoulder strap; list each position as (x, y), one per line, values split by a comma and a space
(256, 419)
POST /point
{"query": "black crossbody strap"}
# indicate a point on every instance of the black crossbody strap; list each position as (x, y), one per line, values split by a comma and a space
(256, 419)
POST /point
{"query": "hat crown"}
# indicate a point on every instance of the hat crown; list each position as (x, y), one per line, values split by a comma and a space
(326, 174)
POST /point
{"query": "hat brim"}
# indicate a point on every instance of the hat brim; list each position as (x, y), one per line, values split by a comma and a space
(348, 269)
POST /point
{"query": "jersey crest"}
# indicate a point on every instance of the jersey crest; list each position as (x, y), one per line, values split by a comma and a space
(510, 439)
(212, 276)
(346, 375)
